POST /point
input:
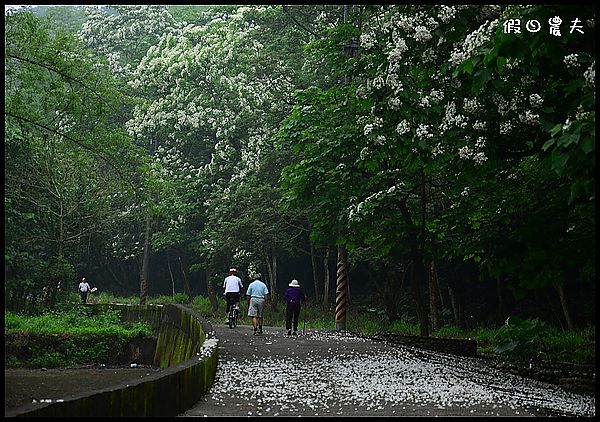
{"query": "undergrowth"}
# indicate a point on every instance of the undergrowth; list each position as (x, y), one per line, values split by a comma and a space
(517, 340)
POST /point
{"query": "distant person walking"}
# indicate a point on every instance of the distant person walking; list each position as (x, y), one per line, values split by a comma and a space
(84, 288)
(293, 297)
(232, 286)
(257, 293)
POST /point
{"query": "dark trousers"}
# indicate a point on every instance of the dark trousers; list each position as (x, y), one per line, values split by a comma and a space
(232, 298)
(292, 313)
(83, 296)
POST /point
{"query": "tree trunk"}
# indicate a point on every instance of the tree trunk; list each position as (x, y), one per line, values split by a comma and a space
(499, 318)
(565, 306)
(454, 305)
(327, 279)
(416, 279)
(417, 270)
(210, 289)
(271, 269)
(391, 293)
(111, 271)
(185, 271)
(552, 310)
(313, 260)
(171, 273)
(145, 263)
(274, 281)
(439, 287)
(269, 272)
(434, 295)
(126, 270)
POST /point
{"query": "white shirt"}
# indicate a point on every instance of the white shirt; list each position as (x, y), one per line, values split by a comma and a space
(232, 284)
(84, 286)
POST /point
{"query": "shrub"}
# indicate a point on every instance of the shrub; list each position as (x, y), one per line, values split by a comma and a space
(67, 338)
(522, 340)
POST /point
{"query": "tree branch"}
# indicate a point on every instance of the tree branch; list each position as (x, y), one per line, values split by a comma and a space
(52, 69)
(75, 141)
(285, 9)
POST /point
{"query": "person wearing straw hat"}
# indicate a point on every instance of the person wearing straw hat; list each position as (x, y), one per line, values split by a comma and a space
(293, 297)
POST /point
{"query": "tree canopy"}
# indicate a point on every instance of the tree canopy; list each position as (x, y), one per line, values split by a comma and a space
(423, 138)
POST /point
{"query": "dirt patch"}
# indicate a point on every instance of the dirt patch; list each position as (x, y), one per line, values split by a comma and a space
(22, 386)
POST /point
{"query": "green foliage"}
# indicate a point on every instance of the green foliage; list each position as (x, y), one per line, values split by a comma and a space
(253, 131)
(449, 331)
(321, 182)
(484, 336)
(107, 297)
(78, 320)
(402, 326)
(64, 157)
(367, 326)
(165, 299)
(571, 347)
(47, 359)
(76, 336)
(522, 340)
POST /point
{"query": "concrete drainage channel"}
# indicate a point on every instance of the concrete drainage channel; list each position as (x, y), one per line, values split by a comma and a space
(187, 351)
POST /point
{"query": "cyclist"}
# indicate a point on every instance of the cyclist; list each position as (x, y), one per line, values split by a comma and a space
(233, 288)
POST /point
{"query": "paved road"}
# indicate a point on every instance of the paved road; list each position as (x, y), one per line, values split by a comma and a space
(328, 373)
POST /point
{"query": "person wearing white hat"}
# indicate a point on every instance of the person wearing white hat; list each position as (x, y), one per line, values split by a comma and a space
(84, 288)
(232, 286)
(293, 297)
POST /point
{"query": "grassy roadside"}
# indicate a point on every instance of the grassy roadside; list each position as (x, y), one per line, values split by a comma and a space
(517, 341)
(66, 337)
(520, 341)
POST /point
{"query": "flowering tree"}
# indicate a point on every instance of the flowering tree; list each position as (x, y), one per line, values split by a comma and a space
(543, 111)
(123, 34)
(438, 137)
(212, 95)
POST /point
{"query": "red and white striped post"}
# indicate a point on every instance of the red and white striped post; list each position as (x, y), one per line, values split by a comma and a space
(341, 290)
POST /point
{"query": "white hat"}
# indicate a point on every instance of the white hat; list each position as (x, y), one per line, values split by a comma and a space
(294, 283)
(232, 270)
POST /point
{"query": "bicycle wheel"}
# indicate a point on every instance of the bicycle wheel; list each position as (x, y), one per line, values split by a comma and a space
(235, 317)
(231, 318)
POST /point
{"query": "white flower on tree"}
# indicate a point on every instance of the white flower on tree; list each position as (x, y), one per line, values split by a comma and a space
(571, 60)
(403, 127)
(590, 75)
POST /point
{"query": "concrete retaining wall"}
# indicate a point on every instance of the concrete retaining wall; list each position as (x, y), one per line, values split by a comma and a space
(186, 349)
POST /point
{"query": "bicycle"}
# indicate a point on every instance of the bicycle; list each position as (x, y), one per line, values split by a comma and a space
(232, 317)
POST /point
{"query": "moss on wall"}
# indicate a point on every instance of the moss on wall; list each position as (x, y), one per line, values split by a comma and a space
(189, 370)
